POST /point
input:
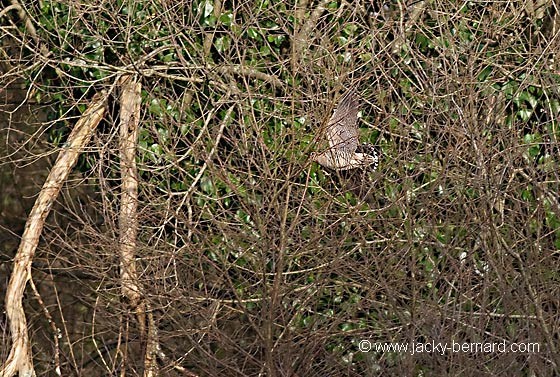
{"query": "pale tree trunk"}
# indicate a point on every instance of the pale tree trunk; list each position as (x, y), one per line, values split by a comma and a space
(19, 358)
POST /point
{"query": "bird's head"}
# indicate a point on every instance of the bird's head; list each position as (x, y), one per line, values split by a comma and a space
(327, 159)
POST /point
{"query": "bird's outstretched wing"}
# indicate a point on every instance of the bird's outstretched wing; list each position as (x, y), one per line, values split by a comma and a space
(342, 129)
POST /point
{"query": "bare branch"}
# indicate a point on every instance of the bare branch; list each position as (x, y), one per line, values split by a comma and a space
(19, 359)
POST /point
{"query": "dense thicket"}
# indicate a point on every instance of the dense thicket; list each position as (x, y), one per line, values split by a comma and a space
(254, 260)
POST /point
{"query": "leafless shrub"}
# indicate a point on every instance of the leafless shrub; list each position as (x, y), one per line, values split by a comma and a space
(252, 259)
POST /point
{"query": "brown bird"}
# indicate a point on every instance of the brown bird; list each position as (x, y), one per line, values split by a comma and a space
(344, 152)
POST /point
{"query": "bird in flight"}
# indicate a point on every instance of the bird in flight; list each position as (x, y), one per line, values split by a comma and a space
(345, 152)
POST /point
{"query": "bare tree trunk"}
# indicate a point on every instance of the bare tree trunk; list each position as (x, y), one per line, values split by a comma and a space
(128, 220)
(19, 359)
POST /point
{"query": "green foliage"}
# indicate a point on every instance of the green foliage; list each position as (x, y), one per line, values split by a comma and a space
(466, 118)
